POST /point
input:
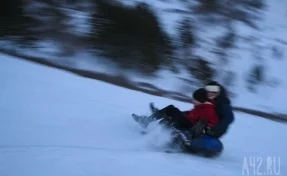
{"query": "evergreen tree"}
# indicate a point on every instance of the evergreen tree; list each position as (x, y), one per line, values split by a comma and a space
(131, 36)
(13, 20)
(187, 38)
(201, 70)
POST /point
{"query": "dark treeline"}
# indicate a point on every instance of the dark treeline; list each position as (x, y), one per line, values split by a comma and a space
(133, 36)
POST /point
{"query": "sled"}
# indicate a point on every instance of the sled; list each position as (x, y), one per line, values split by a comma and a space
(205, 145)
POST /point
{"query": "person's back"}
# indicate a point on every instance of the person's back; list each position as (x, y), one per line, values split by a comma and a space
(222, 106)
(224, 110)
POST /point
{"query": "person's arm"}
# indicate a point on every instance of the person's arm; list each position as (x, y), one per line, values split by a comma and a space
(199, 127)
(192, 116)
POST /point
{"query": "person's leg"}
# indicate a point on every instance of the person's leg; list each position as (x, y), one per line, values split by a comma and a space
(176, 116)
(173, 118)
(157, 114)
(169, 110)
(170, 114)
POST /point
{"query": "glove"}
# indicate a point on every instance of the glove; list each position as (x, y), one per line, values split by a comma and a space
(199, 127)
(206, 130)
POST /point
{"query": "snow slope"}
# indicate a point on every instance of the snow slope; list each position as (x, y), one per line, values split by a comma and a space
(55, 123)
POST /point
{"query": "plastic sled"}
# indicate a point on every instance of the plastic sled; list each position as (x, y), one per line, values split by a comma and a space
(205, 145)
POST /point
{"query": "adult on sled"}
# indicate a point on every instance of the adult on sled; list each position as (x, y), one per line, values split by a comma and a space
(218, 96)
(189, 124)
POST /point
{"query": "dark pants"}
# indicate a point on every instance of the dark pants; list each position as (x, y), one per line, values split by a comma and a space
(175, 116)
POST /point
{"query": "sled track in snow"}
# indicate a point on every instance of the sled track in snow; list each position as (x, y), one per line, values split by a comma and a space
(82, 148)
(115, 150)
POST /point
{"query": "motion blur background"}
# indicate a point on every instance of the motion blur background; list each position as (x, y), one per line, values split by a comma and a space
(171, 45)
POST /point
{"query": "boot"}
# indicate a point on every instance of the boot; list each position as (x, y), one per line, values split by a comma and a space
(185, 136)
(145, 120)
(153, 108)
(180, 140)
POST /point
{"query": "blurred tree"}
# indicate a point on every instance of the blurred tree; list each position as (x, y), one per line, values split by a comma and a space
(55, 23)
(224, 43)
(227, 41)
(246, 11)
(131, 36)
(277, 52)
(208, 6)
(13, 20)
(255, 77)
(201, 70)
(229, 78)
(186, 36)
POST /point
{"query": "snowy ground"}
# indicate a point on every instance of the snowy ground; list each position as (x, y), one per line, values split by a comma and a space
(55, 123)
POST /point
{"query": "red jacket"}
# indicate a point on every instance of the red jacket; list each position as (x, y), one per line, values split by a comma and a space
(203, 111)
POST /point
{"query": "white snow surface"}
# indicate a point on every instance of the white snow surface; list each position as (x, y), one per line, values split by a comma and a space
(54, 123)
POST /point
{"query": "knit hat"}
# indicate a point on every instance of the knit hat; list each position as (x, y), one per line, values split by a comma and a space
(200, 95)
(213, 86)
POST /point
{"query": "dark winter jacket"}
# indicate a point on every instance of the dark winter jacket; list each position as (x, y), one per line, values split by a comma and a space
(203, 111)
(224, 111)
